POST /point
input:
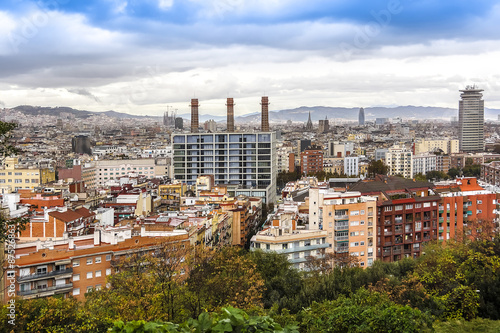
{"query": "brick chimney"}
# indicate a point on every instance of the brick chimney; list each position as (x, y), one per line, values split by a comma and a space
(230, 115)
(264, 127)
(194, 115)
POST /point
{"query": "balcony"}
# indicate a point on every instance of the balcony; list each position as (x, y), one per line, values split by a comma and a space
(398, 231)
(441, 219)
(399, 220)
(341, 217)
(341, 249)
(370, 224)
(441, 229)
(341, 227)
(370, 213)
(387, 233)
(48, 291)
(387, 243)
(396, 251)
(341, 238)
(387, 222)
(41, 276)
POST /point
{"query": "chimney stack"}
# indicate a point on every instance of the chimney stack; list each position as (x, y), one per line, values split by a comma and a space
(264, 127)
(230, 115)
(194, 115)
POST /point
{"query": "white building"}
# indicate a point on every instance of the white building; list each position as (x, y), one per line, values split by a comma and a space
(448, 146)
(400, 161)
(351, 165)
(424, 163)
(114, 169)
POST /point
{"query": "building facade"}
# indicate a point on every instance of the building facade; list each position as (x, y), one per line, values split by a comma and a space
(471, 120)
(400, 161)
(311, 160)
(243, 161)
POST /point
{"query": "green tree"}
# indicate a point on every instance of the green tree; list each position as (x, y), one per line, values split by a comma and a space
(364, 311)
(453, 173)
(377, 168)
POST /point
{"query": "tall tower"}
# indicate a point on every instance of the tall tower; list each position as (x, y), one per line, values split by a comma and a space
(264, 125)
(361, 117)
(230, 115)
(194, 115)
(471, 120)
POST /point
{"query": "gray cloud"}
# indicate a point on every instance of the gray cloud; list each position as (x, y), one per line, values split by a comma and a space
(84, 92)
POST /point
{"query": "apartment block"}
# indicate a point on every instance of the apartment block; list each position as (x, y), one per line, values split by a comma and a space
(400, 161)
(108, 170)
(76, 265)
(349, 219)
(424, 163)
(311, 160)
(464, 201)
(446, 146)
(246, 162)
(407, 215)
(14, 177)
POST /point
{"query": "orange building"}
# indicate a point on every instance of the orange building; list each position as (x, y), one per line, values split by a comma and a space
(462, 202)
(56, 224)
(76, 265)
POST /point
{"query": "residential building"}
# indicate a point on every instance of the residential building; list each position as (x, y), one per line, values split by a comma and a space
(73, 266)
(463, 202)
(246, 162)
(109, 170)
(471, 120)
(351, 165)
(446, 146)
(311, 160)
(407, 215)
(14, 176)
(424, 163)
(400, 161)
(350, 220)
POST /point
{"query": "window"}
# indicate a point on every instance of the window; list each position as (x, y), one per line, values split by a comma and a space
(362, 222)
(27, 181)
(34, 180)
(419, 205)
(76, 277)
(89, 275)
(387, 208)
(479, 202)
(409, 206)
(108, 257)
(89, 261)
(108, 271)
(399, 207)
(18, 181)
(361, 243)
(98, 287)
(354, 212)
(354, 244)
(362, 212)
(354, 223)
(97, 260)
(76, 291)
(76, 263)
(97, 273)
(89, 289)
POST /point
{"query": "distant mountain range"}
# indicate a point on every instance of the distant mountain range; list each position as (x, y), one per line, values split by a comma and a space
(300, 114)
(57, 111)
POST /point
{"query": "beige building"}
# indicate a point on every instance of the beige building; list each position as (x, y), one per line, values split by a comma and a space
(400, 161)
(349, 220)
(107, 170)
(14, 176)
(448, 146)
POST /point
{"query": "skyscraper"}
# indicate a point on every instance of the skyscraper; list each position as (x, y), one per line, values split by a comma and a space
(361, 117)
(471, 120)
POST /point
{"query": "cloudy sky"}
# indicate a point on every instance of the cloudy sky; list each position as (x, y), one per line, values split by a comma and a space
(140, 56)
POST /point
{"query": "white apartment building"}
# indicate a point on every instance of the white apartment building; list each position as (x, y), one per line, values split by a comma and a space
(400, 161)
(351, 165)
(283, 157)
(424, 163)
(107, 170)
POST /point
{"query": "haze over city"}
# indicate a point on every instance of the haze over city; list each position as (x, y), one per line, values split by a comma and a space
(140, 56)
